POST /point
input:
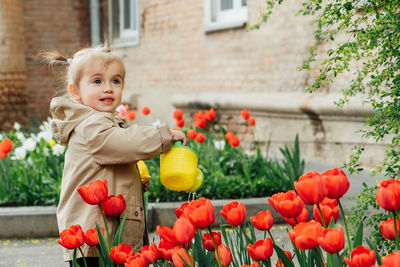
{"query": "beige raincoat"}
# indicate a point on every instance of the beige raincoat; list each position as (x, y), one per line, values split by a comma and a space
(101, 146)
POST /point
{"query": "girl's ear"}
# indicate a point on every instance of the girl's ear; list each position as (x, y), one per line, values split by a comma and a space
(73, 91)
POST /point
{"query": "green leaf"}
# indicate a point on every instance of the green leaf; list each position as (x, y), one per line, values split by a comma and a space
(286, 261)
(118, 234)
(103, 247)
(359, 236)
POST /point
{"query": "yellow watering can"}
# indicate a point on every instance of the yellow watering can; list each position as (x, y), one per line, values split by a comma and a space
(178, 169)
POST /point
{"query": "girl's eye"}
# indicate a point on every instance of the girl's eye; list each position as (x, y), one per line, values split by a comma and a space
(97, 81)
(116, 81)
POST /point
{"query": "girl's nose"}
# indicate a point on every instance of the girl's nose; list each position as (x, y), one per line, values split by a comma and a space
(107, 88)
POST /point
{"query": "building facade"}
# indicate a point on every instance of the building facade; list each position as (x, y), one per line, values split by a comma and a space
(196, 54)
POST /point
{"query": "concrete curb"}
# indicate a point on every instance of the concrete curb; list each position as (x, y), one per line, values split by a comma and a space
(19, 222)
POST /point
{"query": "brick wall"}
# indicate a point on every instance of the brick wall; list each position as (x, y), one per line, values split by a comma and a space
(12, 64)
(63, 25)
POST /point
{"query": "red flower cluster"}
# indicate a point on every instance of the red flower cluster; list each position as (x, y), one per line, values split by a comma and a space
(74, 237)
(178, 116)
(201, 118)
(246, 116)
(233, 140)
(145, 110)
(5, 147)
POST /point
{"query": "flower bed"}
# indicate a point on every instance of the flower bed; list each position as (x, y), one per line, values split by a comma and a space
(192, 242)
(30, 173)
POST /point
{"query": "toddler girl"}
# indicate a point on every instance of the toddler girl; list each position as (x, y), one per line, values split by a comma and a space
(100, 145)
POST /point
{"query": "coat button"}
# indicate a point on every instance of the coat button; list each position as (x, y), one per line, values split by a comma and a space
(136, 213)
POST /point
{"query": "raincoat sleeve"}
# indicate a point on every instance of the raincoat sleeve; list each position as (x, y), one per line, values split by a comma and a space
(110, 144)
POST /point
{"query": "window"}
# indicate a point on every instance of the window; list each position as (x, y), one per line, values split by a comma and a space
(224, 14)
(123, 22)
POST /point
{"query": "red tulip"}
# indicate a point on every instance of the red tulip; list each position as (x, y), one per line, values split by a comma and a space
(310, 188)
(120, 253)
(91, 237)
(184, 230)
(329, 208)
(145, 110)
(6, 146)
(387, 229)
(114, 205)
(332, 240)
(178, 114)
(180, 253)
(72, 237)
(150, 253)
(336, 183)
(131, 115)
(208, 243)
(225, 255)
(167, 234)
(200, 138)
(261, 250)
(165, 249)
(303, 217)
(95, 193)
(228, 135)
(192, 134)
(200, 212)
(388, 194)
(254, 264)
(263, 221)
(252, 121)
(179, 211)
(180, 123)
(288, 204)
(210, 114)
(361, 257)
(245, 114)
(288, 254)
(234, 141)
(234, 213)
(201, 123)
(391, 260)
(199, 115)
(135, 261)
(305, 235)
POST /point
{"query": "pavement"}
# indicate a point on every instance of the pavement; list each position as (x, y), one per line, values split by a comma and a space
(45, 251)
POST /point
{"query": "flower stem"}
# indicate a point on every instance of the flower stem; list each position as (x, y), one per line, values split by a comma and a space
(83, 256)
(345, 224)
(245, 235)
(322, 216)
(319, 256)
(396, 230)
(215, 245)
(273, 241)
(106, 225)
(338, 256)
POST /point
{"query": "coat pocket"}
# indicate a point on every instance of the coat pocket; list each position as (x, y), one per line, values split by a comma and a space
(134, 229)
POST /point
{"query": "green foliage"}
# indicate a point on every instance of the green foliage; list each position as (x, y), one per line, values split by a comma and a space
(31, 174)
(232, 173)
(369, 55)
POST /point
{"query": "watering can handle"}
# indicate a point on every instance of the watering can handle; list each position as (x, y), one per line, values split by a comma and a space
(179, 142)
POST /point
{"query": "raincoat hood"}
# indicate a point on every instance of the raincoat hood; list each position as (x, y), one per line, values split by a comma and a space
(67, 114)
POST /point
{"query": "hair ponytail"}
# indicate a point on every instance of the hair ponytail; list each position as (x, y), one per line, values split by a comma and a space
(52, 58)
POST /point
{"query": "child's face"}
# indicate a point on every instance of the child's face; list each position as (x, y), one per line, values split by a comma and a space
(100, 86)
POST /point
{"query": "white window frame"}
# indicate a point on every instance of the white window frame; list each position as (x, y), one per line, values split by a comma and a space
(215, 19)
(127, 37)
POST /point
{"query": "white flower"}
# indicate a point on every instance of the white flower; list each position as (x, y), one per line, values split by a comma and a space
(157, 123)
(220, 145)
(29, 144)
(17, 126)
(46, 135)
(58, 149)
(20, 136)
(19, 153)
(46, 151)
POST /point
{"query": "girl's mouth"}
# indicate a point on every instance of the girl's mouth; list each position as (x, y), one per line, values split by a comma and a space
(107, 100)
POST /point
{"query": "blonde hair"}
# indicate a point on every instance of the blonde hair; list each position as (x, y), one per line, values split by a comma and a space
(80, 59)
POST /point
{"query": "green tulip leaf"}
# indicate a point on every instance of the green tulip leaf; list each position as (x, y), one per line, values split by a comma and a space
(118, 234)
(285, 259)
(359, 235)
(373, 247)
(103, 247)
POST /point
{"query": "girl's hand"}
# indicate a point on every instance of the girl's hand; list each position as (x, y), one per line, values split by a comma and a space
(178, 136)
